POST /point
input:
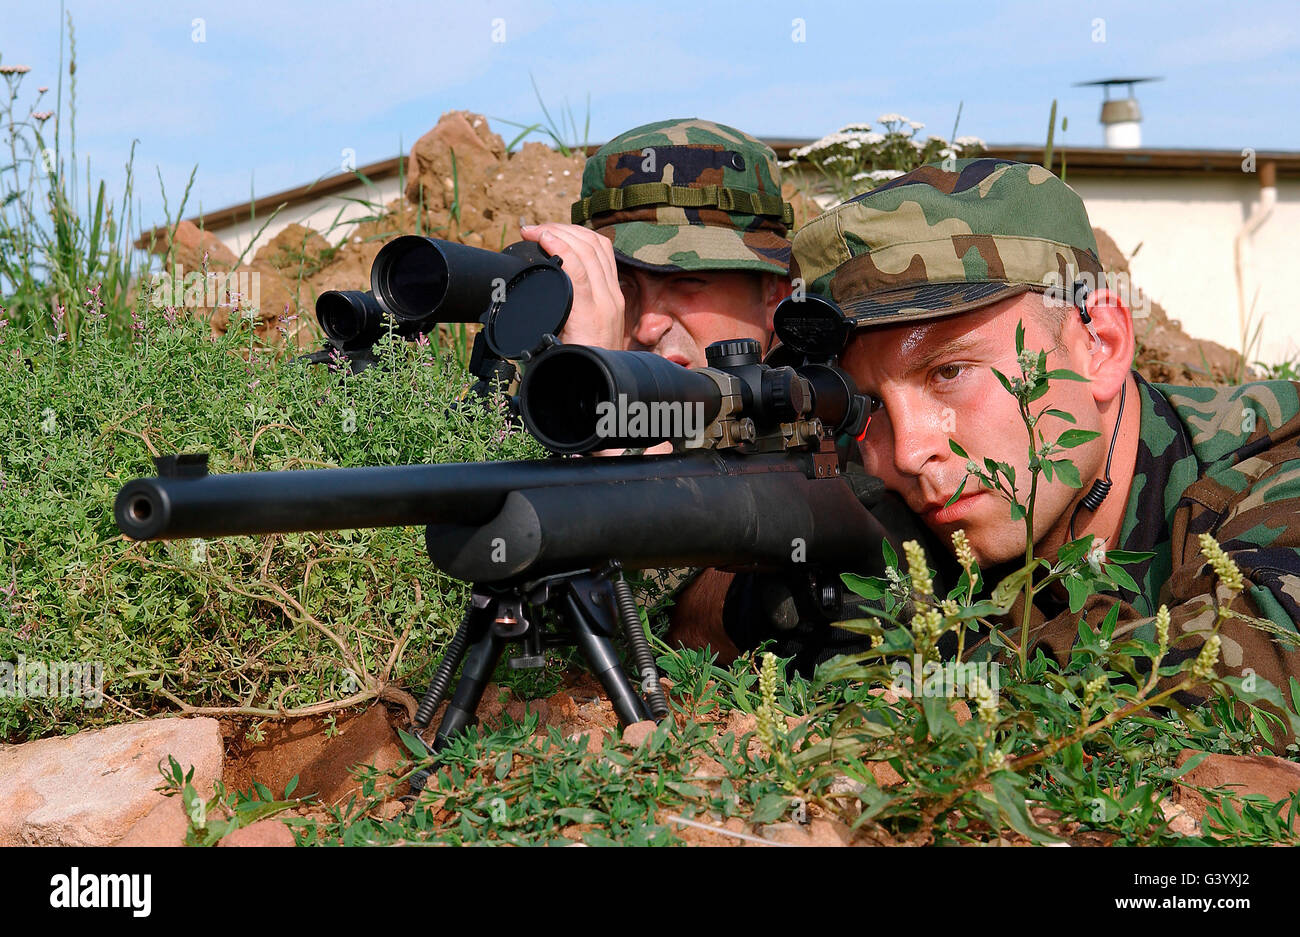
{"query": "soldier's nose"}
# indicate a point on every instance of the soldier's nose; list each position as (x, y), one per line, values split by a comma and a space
(651, 326)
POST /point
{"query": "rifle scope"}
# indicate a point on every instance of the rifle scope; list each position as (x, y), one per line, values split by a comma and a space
(576, 398)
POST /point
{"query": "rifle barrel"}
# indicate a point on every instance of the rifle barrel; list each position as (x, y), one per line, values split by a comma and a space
(252, 503)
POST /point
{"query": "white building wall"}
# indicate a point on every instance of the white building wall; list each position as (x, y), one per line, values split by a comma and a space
(333, 216)
(1186, 228)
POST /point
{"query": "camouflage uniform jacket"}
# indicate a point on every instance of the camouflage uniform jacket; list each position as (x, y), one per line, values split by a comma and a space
(1223, 461)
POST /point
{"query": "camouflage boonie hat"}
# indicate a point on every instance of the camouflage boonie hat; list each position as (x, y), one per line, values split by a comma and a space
(938, 241)
(688, 195)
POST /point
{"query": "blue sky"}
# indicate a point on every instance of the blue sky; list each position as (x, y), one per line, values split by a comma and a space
(276, 92)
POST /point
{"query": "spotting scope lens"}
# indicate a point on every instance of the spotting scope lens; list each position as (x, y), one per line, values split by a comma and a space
(352, 319)
(410, 277)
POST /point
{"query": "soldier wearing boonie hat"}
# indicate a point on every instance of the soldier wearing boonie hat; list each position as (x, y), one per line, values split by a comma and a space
(933, 271)
(939, 241)
(678, 239)
(688, 195)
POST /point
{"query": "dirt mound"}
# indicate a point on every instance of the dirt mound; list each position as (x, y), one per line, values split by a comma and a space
(462, 186)
(320, 752)
(297, 252)
(194, 249)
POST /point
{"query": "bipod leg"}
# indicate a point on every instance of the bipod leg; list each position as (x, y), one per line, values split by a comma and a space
(479, 664)
(469, 632)
(602, 657)
(477, 643)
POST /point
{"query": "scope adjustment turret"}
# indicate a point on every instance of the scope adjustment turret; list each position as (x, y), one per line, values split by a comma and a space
(734, 353)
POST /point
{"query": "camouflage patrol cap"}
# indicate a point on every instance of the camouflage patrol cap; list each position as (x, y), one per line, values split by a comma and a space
(688, 195)
(938, 241)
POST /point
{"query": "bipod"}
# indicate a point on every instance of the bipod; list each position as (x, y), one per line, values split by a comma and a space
(587, 608)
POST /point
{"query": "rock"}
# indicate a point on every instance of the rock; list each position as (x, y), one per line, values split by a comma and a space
(716, 836)
(269, 832)
(164, 825)
(817, 832)
(638, 732)
(843, 784)
(600, 713)
(890, 695)
(740, 723)
(961, 711)
(708, 767)
(594, 734)
(518, 711)
(1180, 821)
(91, 788)
(491, 705)
(561, 709)
(884, 773)
(1265, 775)
(390, 810)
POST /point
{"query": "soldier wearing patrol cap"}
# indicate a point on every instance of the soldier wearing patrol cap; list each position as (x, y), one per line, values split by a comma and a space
(935, 270)
(678, 239)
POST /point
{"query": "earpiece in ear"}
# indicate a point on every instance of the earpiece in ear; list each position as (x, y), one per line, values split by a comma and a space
(1081, 293)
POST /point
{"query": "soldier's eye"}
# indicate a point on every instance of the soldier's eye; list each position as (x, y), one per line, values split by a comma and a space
(949, 372)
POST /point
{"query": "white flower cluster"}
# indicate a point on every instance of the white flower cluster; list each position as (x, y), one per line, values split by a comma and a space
(851, 137)
(969, 141)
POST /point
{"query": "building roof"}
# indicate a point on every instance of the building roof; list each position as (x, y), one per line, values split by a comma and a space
(1080, 161)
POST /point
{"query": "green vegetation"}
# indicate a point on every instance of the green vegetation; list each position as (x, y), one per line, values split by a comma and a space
(51, 249)
(295, 621)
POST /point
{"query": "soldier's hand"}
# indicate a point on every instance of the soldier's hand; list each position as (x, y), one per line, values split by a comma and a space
(597, 314)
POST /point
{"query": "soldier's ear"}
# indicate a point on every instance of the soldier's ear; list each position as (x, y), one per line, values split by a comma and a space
(773, 288)
(1110, 343)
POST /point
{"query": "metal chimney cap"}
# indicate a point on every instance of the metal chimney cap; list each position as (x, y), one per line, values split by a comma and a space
(1107, 82)
(1120, 111)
